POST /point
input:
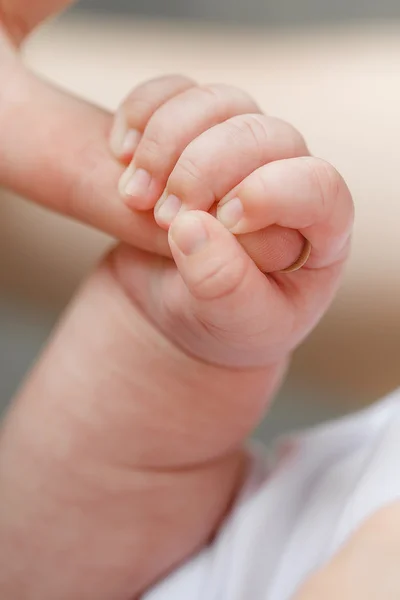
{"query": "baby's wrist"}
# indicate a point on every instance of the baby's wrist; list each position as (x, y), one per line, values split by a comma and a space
(123, 428)
(210, 410)
(158, 433)
(138, 400)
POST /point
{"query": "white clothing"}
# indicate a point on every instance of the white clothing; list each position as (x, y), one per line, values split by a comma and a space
(296, 509)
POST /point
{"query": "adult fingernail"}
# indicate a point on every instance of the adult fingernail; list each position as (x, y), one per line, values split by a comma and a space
(135, 183)
(189, 234)
(123, 140)
(230, 213)
(167, 208)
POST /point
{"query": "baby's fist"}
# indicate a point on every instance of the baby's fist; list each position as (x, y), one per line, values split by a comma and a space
(198, 149)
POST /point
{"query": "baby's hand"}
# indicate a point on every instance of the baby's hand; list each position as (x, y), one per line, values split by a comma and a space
(134, 470)
(198, 149)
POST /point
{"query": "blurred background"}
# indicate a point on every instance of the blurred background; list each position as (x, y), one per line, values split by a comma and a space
(282, 13)
(330, 68)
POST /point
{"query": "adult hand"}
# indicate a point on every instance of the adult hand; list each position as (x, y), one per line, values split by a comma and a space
(54, 147)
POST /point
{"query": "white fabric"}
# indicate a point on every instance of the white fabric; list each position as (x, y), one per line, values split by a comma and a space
(297, 509)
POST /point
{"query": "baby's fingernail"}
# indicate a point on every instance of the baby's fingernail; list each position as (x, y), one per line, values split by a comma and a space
(135, 183)
(230, 213)
(189, 234)
(167, 208)
(123, 140)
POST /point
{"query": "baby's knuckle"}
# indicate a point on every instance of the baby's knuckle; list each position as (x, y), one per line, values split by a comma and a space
(257, 186)
(228, 94)
(161, 126)
(138, 110)
(220, 280)
(298, 143)
(188, 173)
(249, 127)
(146, 89)
(157, 144)
(254, 187)
(325, 179)
(176, 80)
(278, 129)
(215, 92)
(219, 99)
(151, 149)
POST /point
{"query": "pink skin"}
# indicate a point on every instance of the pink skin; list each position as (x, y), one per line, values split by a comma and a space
(216, 307)
(367, 567)
(127, 438)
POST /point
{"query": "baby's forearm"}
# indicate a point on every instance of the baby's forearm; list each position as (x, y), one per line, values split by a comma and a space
(120, 457)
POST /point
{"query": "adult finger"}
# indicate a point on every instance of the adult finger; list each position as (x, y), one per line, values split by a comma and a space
(54, 150)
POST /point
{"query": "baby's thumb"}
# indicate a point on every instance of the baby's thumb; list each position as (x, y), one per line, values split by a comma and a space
(225, 292)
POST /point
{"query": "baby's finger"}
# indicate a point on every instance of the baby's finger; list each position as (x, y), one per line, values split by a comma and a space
(221, 158)
(226, 296)
(306, 194)
(169, 131)
(136, 110)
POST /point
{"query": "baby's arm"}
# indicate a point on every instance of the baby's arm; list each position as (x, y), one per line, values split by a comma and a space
(134, 470)
(98, 497)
